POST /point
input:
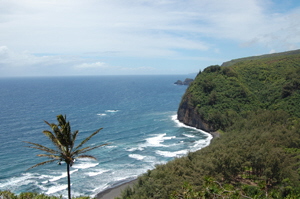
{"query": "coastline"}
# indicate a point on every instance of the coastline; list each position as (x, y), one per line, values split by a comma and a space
(116, 191)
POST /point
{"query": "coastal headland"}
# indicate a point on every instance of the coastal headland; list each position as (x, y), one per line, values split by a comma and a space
(254, 102)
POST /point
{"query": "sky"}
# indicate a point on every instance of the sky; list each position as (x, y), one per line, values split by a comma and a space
(140, 37)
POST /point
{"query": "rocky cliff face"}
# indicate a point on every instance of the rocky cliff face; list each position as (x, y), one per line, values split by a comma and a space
(188, 115)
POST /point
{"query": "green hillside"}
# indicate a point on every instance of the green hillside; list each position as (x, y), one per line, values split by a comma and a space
(272, 83)
(234, 61)
(255, 104)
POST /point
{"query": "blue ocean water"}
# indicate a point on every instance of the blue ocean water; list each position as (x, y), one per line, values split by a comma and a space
(137, 114)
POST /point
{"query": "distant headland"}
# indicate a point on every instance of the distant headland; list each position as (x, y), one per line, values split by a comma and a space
(187, 81)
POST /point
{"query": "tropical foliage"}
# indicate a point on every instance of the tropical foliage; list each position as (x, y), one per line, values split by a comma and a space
(254, 103)
(65, 150)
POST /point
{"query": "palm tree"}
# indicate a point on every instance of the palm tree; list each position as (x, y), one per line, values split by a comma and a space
(64, 141)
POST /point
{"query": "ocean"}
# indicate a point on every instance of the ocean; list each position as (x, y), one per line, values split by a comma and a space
(137, 114)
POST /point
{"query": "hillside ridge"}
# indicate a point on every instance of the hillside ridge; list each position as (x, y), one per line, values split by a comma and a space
(233, 61)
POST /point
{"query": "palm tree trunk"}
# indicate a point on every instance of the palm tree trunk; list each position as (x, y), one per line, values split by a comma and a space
(69, 181)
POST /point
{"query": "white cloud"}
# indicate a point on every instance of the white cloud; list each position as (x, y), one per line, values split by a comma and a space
(156, 29)
(137, 26)
(25, 64)
(12, 58)
(91, 65)
(14, 63)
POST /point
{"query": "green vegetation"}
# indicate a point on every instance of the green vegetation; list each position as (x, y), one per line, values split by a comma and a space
(221, 94)
(64, 141)
(234, 61)
(256, 104)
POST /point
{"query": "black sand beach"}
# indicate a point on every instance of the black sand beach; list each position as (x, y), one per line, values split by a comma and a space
(111, 193)
(114, 192)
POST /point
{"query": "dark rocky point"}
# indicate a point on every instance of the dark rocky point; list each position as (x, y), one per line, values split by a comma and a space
(187, 81)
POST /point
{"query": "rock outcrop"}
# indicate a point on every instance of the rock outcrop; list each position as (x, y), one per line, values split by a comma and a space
(188, 115)
(187, 81)
(179, 82)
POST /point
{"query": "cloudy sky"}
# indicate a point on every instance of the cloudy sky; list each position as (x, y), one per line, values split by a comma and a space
(131, 37)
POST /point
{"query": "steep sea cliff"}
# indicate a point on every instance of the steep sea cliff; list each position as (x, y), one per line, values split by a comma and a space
(238, 86)
(188, 115)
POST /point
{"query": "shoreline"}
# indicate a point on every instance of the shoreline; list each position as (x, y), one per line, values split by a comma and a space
(116, 191)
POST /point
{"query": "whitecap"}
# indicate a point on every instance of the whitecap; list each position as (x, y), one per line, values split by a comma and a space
(25, 179)
(135, 149)
(56, 188)
(84, 165)
(97, 172)
(171, 154)
(157, 140)
(110, 146)
(150, 159)
(207, 140)
(188, 135)
(200, 144)
(137, 156)
(111, 111)
(101, 114)
(63, 175)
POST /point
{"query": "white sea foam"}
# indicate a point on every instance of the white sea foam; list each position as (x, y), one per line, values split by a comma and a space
(200, 144)
(112, 111)
(101, 114)
(157, 140)
(188, 135)
(110, 146)
(63, 175)
(150, 159)
(171, 154)
(137, 156)
(24, 179)
(179, 124)
(97, 172)
(84, 165)
(135, 149)
(57, 188)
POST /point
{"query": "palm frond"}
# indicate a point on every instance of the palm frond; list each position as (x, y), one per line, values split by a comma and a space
(42, 163)
(47, 123)
(88, 138)
(64, 134)
(87, 156)
(53, 138)
(41, 147)
(74, 136)
(50, 156)
(61, 120)
(52, 125)
(86, 149)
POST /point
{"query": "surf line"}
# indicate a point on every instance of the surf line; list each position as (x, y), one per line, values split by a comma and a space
(180, 124)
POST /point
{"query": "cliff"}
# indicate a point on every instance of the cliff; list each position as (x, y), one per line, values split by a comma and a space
(188, 115)
(221, 94)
